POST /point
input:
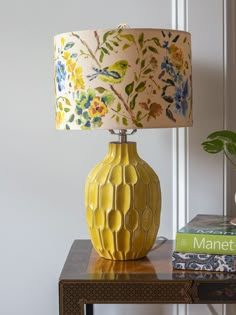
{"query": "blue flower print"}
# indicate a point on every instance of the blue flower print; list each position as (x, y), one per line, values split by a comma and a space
(181, 95)
(165, 45)
(61, 75)
(169, 68)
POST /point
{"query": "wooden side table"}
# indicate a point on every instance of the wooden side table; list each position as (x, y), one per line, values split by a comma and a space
(88, 279)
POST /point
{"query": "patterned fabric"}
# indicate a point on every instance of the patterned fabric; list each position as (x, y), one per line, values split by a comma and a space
(205, 262)
(123, 79)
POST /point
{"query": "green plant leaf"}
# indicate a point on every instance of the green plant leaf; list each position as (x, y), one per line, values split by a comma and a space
(66, 110)
(231, 148)
(213, 146)
(67, 127)
(225, 135)
(129, 88)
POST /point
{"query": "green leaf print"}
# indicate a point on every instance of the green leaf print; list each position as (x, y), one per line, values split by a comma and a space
(129, 88)
(100, 89)
(133, 101)
(72, 117)
(129, 37)
(141, 87)
(153, 49)
(175, 39)
(69, 45)
(140, 40)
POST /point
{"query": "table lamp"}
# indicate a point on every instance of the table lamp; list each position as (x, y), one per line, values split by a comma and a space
(121, 80)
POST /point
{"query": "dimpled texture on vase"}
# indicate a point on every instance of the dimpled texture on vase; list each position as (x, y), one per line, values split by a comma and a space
(123, 204)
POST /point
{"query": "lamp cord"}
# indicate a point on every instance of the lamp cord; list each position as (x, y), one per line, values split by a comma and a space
(163, 239)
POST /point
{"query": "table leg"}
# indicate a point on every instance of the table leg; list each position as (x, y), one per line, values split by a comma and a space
(89, 309)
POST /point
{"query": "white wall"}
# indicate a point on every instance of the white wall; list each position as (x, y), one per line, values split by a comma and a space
(43, 171)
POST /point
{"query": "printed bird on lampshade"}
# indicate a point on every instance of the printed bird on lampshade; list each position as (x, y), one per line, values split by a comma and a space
(112, 74)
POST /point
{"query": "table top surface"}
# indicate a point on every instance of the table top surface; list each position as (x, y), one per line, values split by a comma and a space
(83, 263)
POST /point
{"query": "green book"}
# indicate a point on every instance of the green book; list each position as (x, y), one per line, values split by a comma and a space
(208, 234)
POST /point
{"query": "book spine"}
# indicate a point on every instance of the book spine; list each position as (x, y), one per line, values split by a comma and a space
(205, 243)
(204, 262)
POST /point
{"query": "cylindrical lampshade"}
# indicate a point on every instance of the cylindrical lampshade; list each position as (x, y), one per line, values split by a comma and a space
(123, 79)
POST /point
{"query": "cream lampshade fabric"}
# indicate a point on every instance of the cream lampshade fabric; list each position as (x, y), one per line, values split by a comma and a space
(123, 79)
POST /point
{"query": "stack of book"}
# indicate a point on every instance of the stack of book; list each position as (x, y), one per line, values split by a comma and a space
(207, 242)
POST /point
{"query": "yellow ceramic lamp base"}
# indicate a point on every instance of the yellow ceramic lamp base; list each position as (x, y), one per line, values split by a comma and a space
(123, 204)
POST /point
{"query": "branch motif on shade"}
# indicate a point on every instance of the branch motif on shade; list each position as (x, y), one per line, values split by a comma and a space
(123, 79)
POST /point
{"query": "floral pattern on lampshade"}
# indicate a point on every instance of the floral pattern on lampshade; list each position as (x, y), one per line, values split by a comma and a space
(123, 79)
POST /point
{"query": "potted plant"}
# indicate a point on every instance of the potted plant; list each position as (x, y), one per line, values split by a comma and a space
(222, 141)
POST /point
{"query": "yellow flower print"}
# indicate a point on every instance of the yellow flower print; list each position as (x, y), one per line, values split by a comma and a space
(60, 105)
(70, 65)
(59, 118)
(97, 108)
(77, 78)
(66, 55)
(176, 56)
(76, 74)
(62, 41)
